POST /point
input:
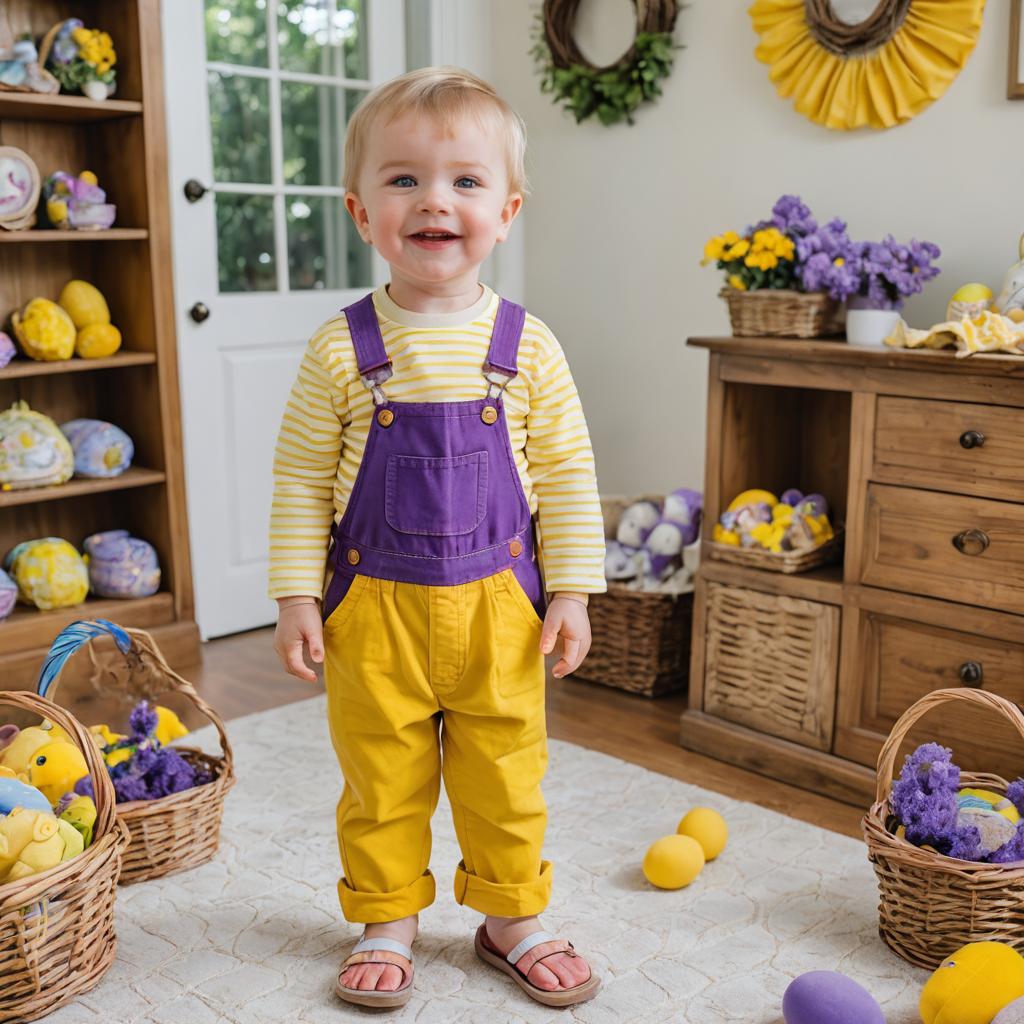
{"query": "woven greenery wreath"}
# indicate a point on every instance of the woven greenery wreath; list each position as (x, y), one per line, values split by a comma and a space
(611, 93)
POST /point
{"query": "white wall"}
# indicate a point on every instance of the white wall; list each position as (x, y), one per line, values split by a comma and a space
(619, 216)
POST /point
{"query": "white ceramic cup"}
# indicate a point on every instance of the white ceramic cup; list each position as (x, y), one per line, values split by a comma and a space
(870, 326)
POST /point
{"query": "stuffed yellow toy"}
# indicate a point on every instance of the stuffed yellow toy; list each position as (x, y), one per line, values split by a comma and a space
(45, 759)
(45, 330)
(973, 985)
(34, 841)
(88, 309)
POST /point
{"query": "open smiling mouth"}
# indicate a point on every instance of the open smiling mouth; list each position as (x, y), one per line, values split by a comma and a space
(434, 236)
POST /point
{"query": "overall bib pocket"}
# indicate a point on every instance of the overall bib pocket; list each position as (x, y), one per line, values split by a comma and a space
(436, 497)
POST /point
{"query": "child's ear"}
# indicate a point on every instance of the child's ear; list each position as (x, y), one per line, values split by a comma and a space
(359, 216)
(509, 211)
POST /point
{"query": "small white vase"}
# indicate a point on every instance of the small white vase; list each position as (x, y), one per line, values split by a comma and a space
(95, 90)
(870, 326)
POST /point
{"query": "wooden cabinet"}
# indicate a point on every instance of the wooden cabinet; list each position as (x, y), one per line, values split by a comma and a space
(921, 456)
(122, 141)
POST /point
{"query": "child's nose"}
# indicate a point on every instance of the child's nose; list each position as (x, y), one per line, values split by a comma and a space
(434, 199)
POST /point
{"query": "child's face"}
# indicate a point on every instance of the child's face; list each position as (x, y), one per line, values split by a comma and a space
(419, 177)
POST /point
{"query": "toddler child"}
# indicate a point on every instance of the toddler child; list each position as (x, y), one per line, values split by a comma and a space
(428, 423)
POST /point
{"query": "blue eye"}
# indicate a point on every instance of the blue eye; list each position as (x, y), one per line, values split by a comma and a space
(404, 181)
(473, 183)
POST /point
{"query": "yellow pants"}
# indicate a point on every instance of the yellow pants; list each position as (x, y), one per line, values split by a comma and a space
(430, 681)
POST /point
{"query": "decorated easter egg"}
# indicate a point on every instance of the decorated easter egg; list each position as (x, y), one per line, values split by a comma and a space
(45, 331)
(673, 861)
(100, 448)
(14, 793)
(121, 565)
(84, 303)
(708, 827)
(827, 997)
(8, 594)
(973, 985)
(33, 451)
(97, 341)
(49, 572)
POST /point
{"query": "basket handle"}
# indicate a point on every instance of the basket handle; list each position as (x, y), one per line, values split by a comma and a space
(128, 640)
(103, 788)
(916, 711)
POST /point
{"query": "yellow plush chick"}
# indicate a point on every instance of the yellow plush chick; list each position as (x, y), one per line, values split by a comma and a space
(55, 768)
(34, 841)
(720, 535)
(973, 985)
(106, 736)
(168, 726)
(18, 753)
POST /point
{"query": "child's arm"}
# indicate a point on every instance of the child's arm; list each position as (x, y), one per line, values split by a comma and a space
(305, 469)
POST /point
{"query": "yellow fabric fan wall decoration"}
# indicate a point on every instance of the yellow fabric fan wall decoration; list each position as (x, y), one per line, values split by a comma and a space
(879, 73)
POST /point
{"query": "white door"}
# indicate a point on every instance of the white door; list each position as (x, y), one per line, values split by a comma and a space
(257, 95)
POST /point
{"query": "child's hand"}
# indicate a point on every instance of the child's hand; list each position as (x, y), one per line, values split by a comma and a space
(298, 624)
(566, 618)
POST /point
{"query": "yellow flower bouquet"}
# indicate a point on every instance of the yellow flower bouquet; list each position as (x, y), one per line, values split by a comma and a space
(83, 59)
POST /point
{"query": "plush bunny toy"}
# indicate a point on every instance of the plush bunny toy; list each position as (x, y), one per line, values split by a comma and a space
(636, 523)
(1010, 301)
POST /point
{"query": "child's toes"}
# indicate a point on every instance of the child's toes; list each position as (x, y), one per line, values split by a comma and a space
(544, 977)
(371, 977)
(570, 971)
(390, 980)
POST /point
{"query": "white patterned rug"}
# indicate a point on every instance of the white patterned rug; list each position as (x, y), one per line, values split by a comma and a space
(257, 935)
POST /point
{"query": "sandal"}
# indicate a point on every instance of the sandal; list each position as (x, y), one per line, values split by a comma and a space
(377, 951)
(507, 964)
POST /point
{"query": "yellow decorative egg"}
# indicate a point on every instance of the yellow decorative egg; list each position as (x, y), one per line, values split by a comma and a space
(95, 341)
(972, 293)
(673, 861)
(708, 827)
(45, 331)
(84, 303)
(49, 572)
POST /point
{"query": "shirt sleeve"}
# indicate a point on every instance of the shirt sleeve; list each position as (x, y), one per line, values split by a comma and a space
(561, 468)
(305, 469)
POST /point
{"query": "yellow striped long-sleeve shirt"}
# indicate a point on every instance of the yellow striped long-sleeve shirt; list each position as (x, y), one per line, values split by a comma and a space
(435, 358)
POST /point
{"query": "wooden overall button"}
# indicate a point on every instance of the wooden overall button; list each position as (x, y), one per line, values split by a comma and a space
(353, 556)
(385, 417)
(489, 414)
(515, 549)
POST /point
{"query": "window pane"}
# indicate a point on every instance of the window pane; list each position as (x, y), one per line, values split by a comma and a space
(313, 123)
(240, 128)
(236, 31)
(245, 243)
(324, 248)
(310, 39)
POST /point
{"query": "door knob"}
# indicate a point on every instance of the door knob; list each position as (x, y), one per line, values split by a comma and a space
(971, 673)
(199, 312)
(194, 190)
(971, 542)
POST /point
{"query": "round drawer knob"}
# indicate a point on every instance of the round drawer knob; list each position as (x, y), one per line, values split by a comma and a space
(489, 414)
(515, 549)
(353, 556)
(972, 439)
(385, 417)
(971, 673)
(971, 542)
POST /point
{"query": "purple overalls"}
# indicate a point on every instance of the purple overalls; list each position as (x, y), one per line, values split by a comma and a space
(437, 499)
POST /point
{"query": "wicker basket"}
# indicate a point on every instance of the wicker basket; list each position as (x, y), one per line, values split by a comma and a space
(780, 313)
(641, 641)
(174, 832)
(57, 927)
(932, 905)
(785, 561)
(7, 39)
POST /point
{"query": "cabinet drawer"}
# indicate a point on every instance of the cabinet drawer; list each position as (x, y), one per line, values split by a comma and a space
(771, 663)
(899, 661)
(950, 446)
(962, 549)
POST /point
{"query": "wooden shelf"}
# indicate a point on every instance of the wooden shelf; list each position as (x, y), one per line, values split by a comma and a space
(40, 107)
(36, 368)
(51, 235)
(824, 584)
(134, 476)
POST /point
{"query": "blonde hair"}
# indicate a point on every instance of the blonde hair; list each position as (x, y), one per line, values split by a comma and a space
(446, 93)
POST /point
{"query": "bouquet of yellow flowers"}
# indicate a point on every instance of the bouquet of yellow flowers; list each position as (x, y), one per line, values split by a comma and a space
(83, 59)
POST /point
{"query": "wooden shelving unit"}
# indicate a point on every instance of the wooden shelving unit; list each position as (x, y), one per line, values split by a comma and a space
(122, 140)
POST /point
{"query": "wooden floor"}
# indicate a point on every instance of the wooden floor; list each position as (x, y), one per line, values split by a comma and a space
(240, 675)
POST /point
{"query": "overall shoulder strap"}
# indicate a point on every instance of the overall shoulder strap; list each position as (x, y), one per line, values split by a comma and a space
(367, 340)
(503, 354)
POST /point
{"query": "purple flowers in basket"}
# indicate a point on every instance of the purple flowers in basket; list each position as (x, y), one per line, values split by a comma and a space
(140, 767)
(930, 803)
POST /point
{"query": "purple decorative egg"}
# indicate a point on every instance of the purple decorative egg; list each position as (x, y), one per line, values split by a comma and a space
(8, 594)
(827, 997)
(100, 448)
(121, 565)
(8, 350)
(814, 505)
(792, 497)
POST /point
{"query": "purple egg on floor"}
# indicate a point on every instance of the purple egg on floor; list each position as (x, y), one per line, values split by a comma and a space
(827, 997)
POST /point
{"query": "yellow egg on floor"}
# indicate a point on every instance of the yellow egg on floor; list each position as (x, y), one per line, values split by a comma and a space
(673, 861)
(708, 827)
